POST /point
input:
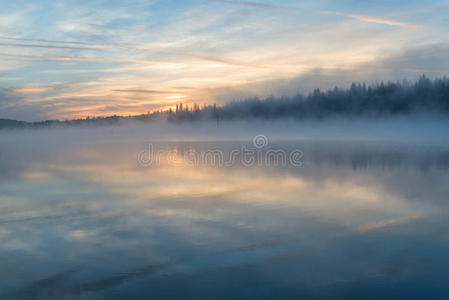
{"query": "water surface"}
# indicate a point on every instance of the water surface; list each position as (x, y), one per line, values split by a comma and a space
(356, 220)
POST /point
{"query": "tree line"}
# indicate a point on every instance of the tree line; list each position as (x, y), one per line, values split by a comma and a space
(358, 100)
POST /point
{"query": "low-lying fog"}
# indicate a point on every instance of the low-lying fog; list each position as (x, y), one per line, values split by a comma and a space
(400, 129)
(362, 210)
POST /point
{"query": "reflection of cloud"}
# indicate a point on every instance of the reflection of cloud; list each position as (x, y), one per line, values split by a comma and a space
(117, 279)
(52, 281)
(265, 213)
(389, 223)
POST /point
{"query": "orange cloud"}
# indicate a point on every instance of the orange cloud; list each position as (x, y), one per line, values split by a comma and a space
(377, 20)
(389, 223)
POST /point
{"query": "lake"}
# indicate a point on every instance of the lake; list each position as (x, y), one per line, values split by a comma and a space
(108, 218)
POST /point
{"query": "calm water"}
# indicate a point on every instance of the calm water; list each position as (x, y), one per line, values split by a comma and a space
(355, 220)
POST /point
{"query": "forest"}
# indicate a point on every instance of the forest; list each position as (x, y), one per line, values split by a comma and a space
(429, 96)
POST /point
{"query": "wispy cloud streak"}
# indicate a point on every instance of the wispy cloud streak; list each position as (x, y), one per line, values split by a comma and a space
(363, 18)
(46, 46)
(255, 4)
(45, 41)
(215, 59)
(377, 20)
(389, 223)
(133, 57)
(143, 91)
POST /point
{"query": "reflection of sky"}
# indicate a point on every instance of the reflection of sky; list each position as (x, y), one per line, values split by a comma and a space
(69, 58)
(88, 220)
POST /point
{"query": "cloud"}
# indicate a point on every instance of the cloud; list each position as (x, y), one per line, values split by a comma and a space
(218, 54)
(44, 41)
(216, 59)
(46, 46)
(33, 90)
(363, 18)
(33, 57)
(389, 223)
(13, 105)
(431, 60)
(378, 20)
(255, 4)
(134, 94)
(143, 91)
(8, 96)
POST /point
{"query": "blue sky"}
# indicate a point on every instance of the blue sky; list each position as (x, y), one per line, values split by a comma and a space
(68, 59)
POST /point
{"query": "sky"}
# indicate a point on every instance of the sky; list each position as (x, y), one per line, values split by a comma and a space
(74, 58)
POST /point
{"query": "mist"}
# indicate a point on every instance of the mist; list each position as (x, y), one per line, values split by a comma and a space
(422, 130)
(77, 201)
